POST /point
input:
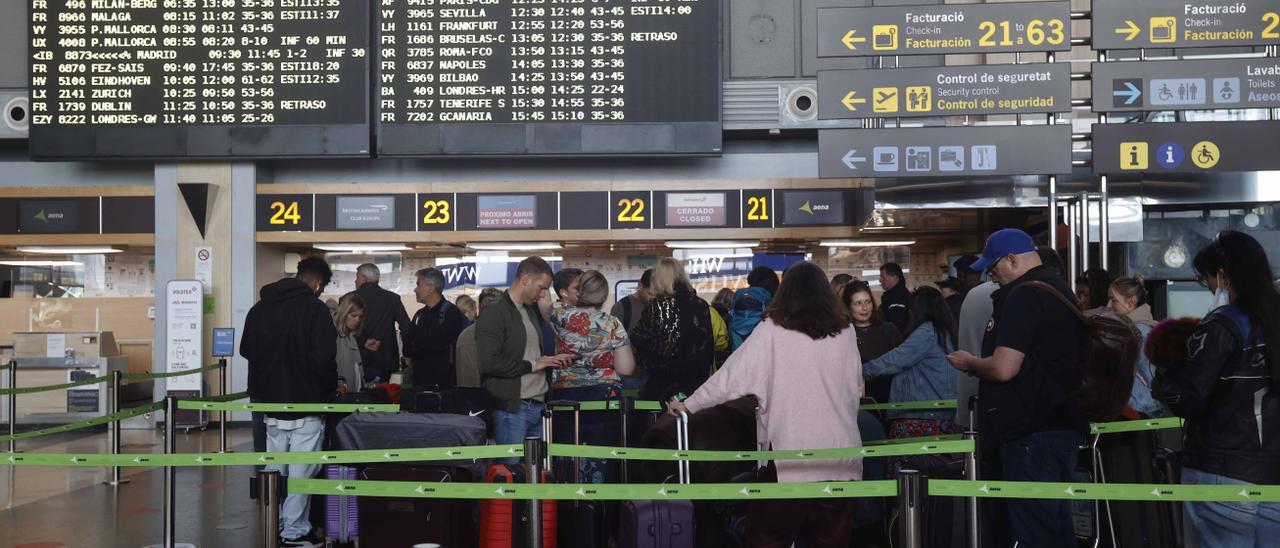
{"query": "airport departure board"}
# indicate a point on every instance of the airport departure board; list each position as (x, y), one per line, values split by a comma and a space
(199, 78)
(553, 77)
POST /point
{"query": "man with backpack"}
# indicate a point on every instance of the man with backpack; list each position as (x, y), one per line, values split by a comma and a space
(749, 304)
(1031, 425)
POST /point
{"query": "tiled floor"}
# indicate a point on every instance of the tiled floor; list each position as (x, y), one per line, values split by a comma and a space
(71, 507)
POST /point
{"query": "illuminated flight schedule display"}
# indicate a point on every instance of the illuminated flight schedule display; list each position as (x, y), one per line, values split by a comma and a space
(199, 78)
(552, 77)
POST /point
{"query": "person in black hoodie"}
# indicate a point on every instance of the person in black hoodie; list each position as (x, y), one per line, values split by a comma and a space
(291, 345)
(894, 304)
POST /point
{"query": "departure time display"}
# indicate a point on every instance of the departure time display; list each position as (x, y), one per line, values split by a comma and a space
(199, 78)
(548, 76)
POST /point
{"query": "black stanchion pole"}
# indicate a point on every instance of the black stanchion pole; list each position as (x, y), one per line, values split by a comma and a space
(911, 489)
(13, 406)
(269, 508)
(170, 447)
(117, 379)
(223, 373)
(533, 448)
(971, 474)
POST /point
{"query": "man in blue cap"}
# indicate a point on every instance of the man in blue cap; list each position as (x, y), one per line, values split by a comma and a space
(1030, 429)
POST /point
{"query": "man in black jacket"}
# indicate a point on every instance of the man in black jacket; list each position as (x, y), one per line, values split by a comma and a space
(435, 333)
(894, 304)
(1031, 429)
(383, 311)
(291, 345)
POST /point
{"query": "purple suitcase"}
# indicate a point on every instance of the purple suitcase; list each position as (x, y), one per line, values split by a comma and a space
(661, 523)
(340, 523)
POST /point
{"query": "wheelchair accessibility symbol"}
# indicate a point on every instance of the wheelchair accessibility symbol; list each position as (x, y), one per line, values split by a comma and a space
(1205, 155)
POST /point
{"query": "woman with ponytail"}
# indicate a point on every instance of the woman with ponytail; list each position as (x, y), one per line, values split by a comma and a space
(1227, 388)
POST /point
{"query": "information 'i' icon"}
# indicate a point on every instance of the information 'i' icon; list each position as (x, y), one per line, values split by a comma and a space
(1170, 155)
(1133, 155)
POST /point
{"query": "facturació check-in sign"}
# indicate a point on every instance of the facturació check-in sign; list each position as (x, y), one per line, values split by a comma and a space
(1200, 84)
(944, 91)
(1137, 24)
(942, 29)
(944, 151)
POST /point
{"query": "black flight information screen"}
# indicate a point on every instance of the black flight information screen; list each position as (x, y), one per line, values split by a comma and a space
(551, 77)
(199, 78)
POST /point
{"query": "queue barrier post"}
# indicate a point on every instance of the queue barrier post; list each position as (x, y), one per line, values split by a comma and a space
(912, 486)
(269, 508)
(971, 474)
(13, 406)
(170, 447)
(222, 415)
(533, 449)
(117, 379)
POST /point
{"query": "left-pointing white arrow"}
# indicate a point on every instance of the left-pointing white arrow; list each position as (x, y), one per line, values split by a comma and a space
(851, 159)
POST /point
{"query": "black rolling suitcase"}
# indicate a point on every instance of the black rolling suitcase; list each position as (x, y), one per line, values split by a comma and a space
(582, 524)
(403, 523)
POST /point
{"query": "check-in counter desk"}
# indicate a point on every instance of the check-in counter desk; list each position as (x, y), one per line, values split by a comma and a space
(44, 359)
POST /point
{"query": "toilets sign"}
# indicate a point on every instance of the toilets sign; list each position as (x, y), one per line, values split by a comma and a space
(1136, 24)
(1201, 84)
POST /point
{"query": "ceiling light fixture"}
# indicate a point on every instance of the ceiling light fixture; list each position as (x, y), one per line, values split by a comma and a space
(713, 244)
(362, 247)
(8, 262)
(515, 246)
(847, 243)
(67, 250)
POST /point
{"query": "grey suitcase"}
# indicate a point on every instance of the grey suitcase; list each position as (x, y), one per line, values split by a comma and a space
(413, 431)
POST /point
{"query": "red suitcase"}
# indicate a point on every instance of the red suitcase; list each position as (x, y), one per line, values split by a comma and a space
(504, 523)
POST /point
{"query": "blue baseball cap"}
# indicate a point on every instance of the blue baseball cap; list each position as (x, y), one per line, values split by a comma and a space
(1001, 243)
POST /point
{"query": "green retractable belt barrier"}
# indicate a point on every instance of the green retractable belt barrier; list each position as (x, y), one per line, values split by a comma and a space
(254, 459)
(1134, 426)
(910, 405)
(145, 376)
(128, 413)
(35, 389)
(102, 379)
(561, 491)
(1104, 491)
(288, 407)
(887, 450)
(465, 453)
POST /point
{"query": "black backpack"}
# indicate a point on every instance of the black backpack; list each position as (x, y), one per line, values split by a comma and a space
(1108, 358)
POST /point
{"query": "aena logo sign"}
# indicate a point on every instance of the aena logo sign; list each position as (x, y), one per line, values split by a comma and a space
(810, 207)
(52, 216)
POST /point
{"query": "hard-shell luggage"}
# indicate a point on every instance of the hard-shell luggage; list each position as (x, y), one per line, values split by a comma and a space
(362, 431)
(408, 430)
(341, 524)
(661, 523)
(405, 522)
(505, 523)
(583, 524)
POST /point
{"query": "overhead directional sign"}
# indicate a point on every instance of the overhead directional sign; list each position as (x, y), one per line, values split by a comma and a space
(935, 91)
(1186, 85)
(1136, 24)
(939, 29)
(1186, 147)
(944, 151)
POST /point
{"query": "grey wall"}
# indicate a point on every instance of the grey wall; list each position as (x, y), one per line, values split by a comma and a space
(13, 43)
